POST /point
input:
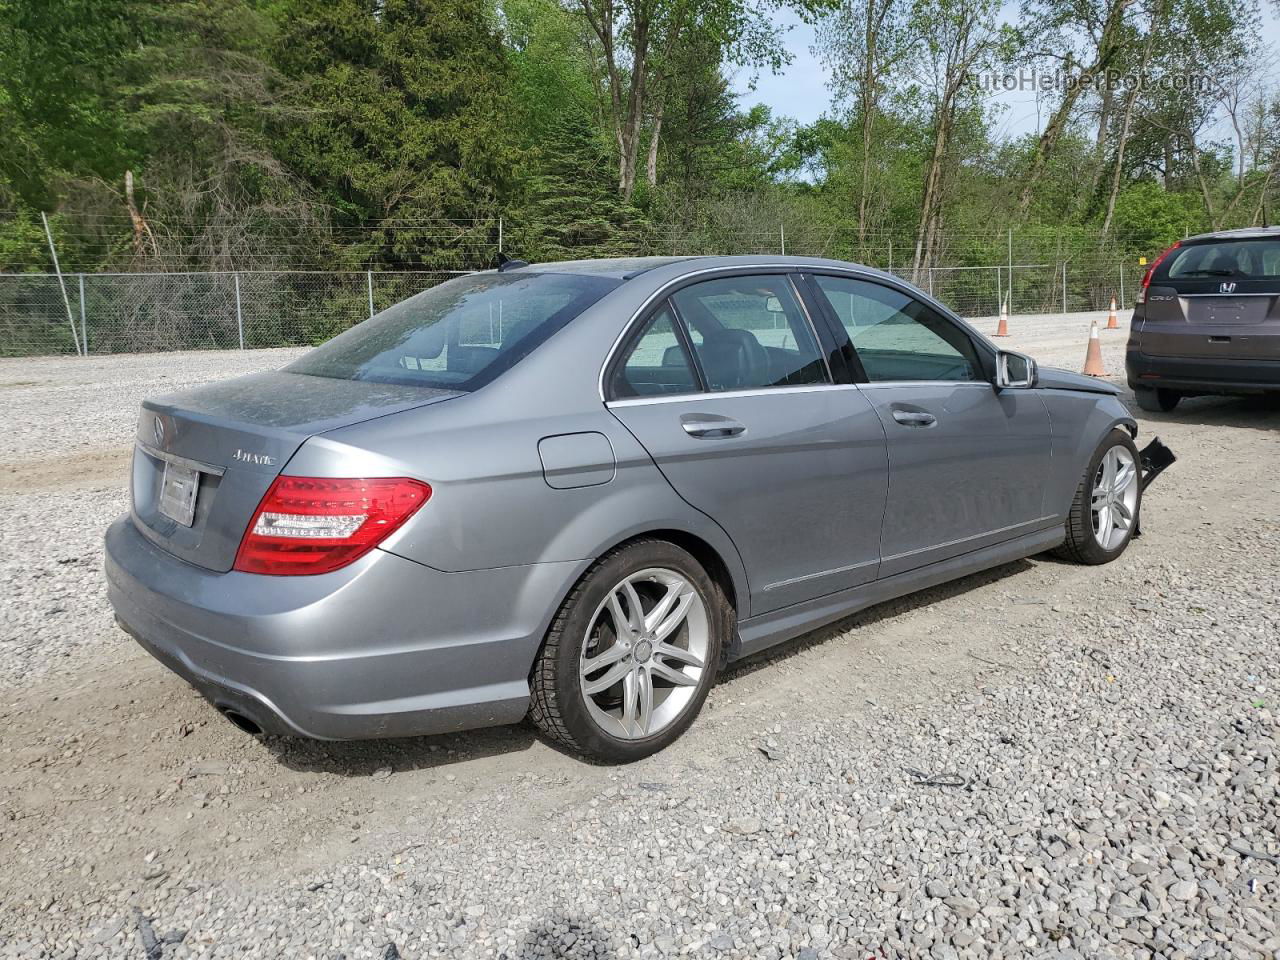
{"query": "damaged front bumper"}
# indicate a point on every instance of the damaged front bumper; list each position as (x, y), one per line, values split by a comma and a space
(1156, 458)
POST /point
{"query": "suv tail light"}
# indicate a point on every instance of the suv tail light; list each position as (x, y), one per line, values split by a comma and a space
(1146, 277)
(317, 524)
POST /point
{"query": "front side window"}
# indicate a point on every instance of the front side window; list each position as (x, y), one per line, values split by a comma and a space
(896, 336)
(750, 332)
(657, 362)
(458, 335)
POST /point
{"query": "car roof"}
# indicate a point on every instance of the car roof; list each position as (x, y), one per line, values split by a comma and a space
(1242, 233)
(626, 268)
(620, 268)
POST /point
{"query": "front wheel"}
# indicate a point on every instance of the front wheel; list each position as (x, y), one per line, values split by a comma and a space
(1104, 513)
(631, 655)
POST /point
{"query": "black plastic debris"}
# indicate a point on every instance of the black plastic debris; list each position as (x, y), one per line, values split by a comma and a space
(1156, 458)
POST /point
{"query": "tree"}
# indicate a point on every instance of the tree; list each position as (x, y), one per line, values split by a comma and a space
(1083, 39)
(402, 123)
(960, 38)
(58, 74)
(862, 43)
(574, 209)
(635, 43)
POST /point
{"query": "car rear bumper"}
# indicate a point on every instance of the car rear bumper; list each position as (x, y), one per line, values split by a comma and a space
(385, 647)
(1195, 375)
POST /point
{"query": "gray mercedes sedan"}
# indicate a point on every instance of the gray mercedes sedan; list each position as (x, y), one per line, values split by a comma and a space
(575, 491)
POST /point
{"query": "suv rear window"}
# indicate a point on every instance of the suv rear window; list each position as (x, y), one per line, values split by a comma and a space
(458, 335)
(1236, 259)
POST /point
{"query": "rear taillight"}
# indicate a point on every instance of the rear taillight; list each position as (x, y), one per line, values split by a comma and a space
(318, 524)
(1146, 277)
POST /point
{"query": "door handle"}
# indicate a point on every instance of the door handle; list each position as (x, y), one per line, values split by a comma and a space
(711, 427)
(914, 418)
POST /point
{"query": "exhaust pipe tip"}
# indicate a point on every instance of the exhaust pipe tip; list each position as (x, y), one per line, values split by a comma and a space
(241, 722)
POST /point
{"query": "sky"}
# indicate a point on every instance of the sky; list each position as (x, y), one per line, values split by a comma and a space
(800, 91)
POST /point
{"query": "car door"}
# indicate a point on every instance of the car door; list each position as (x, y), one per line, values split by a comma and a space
(966, 461)
(726, 386)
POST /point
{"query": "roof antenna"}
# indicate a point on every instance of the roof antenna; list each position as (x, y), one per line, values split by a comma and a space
(506, 263)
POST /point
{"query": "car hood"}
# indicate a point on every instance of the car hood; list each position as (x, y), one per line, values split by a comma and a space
(1052, 378)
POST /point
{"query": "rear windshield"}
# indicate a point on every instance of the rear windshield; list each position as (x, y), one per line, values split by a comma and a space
(458, 335)
(1238, 259)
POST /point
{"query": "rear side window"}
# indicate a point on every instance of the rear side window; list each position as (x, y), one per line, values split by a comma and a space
(657, 362)
(458, 335)
(897, 337)
(750, 332)
(1234, 259)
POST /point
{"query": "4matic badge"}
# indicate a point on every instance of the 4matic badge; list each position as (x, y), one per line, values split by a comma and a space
(261, 459)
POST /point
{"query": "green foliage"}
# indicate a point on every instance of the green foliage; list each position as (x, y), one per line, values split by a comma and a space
(23, 247)
(574, 210)
(550, 68)
(57, 77)
(402, 110)
(395, 133)
(1150, 218)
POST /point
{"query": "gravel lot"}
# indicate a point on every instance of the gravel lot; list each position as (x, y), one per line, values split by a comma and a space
(1098, 752)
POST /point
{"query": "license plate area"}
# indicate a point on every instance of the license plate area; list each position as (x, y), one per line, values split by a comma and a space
(178, 491)
(1234, 310)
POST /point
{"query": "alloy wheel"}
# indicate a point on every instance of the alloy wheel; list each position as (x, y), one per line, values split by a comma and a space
(1115, 497)
(645, 653)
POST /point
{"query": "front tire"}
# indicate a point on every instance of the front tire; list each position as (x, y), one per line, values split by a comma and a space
(1156, 400)
(631, 654)
(1104, 514)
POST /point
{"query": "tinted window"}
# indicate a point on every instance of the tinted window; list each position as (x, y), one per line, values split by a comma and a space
(1239, 259)
(657, 363)
(750, 332)
(896, 336)
(460, 334)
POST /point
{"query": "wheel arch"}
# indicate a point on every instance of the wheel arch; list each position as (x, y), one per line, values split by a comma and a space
(732, 581)
(1129, 424)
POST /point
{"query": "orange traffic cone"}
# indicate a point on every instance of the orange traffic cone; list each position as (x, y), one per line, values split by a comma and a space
(1113, 322)
(1003, 329)
(1093, 359)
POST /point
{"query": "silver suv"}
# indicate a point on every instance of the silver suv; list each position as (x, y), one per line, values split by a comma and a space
(1207, 319)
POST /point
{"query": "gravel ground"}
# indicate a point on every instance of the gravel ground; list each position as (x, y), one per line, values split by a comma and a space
(1042, 760)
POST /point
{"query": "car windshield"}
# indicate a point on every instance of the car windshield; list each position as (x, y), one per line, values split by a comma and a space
(458, 335)
(1241, 259)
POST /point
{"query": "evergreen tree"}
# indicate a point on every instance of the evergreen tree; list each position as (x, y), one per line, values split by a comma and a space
(403, 123)
(573, 209)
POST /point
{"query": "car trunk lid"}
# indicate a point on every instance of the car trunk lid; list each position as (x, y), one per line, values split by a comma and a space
(205, 457)
(1201, 320)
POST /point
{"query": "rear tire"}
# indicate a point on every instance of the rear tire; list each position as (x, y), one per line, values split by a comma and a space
(632, 653)
(1108, 502)
(1156, 400)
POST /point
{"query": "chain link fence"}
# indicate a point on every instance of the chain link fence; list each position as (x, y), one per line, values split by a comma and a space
(1028, 287)
(145, 312)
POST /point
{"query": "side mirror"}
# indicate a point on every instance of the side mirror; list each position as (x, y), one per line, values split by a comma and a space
(1014, 371)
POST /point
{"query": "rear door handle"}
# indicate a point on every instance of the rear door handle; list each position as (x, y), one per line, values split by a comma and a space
(914, 418)
(711, 426)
